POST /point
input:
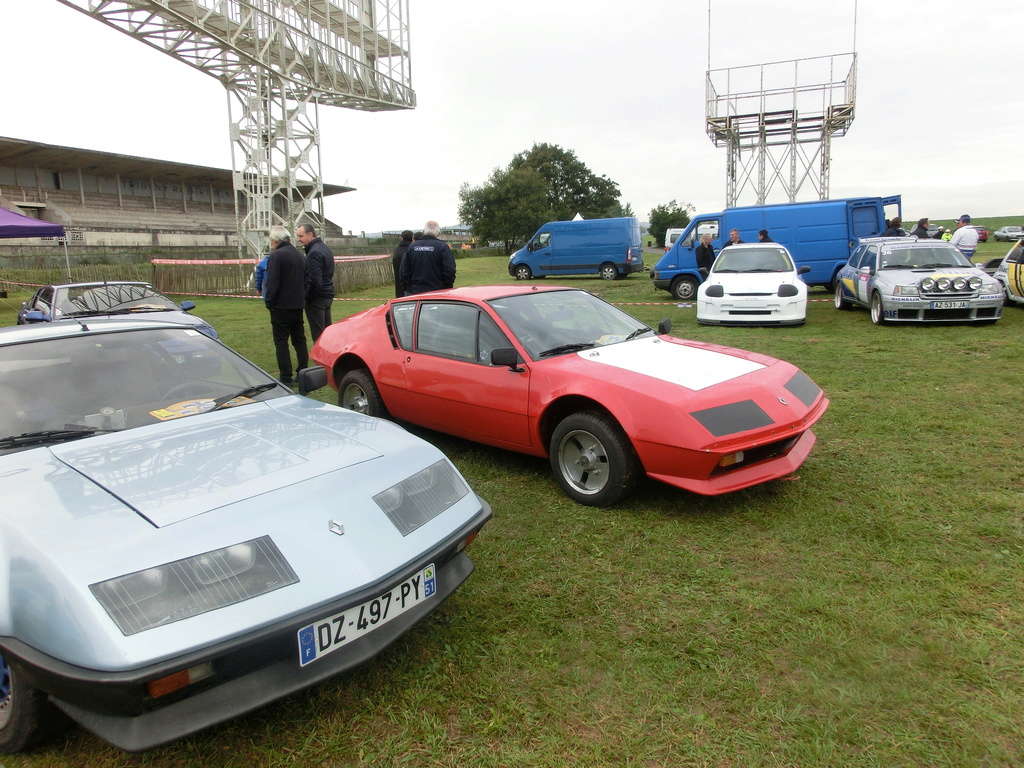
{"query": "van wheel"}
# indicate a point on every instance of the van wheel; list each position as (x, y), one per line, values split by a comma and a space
(523, 272)
(684, 288)
(877, 311)
(593, 460)
(608, 272)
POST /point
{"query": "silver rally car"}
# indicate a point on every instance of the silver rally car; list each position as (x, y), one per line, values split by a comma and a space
(903, 279)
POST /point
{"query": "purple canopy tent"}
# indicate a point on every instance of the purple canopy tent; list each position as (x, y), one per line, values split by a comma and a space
(16, 225)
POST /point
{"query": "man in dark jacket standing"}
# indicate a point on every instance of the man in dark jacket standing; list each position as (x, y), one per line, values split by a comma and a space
(285, 295)
(319, 279)
(396, 261)
(428, 264)
(705, 254)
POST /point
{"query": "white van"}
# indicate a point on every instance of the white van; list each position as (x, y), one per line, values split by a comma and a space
(671, 235)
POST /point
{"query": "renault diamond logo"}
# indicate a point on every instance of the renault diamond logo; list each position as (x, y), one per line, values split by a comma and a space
(335, 527)
(784, 401)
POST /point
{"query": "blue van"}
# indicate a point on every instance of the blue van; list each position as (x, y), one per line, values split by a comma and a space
(819, 234)
(610, 248)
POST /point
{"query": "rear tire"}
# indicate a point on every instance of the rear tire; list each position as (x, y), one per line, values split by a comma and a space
(608, 271)
(877, 310)
(593, 460)
(523, 272)
(357, 392)
(26, 716)
(840, 302)
(684, 288)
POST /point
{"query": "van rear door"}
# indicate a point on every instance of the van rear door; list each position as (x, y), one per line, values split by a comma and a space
(864, 218)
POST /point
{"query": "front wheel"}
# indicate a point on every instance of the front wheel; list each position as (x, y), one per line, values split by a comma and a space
(840, 301)
(684, 288)
(593, 460)
(608, 272)
(25, 714)
(877, 311)
(357, 392)
(523, 272)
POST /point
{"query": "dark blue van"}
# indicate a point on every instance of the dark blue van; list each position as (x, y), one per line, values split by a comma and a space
(820, 234)
(610, 248)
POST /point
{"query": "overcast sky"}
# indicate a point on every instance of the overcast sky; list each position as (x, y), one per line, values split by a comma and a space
(940, 99)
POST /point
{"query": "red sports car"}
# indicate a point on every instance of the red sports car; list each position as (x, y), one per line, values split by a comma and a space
(558, 372)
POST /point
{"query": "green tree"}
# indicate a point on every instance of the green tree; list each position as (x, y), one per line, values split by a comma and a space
(571, 186)
(508, 208)
(669, 214)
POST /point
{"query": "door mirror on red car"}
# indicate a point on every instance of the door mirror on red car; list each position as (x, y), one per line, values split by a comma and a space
(506, 356)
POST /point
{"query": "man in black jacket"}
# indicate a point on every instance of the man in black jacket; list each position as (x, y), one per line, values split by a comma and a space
(319, 279)
(396, 261)
(285, 295)
(428, 265)
(705, 254)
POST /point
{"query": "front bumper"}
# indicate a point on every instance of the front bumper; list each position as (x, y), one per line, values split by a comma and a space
(248, 672)
(767, 310)
(912, 309)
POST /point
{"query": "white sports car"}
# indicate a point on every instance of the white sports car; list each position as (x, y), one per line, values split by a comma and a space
(753, 284)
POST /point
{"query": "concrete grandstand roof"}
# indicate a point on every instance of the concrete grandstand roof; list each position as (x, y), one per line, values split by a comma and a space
(28, 154)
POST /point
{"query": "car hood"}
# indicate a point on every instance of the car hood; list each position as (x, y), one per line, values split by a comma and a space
(758, 282)
(176, 470)
(916, 275)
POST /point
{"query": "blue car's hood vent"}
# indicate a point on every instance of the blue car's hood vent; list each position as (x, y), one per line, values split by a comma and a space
(209, 461)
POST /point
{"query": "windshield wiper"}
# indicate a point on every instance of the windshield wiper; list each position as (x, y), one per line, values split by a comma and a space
(940, 266)
(222, 401)
(748, 271)
(638, 332)
(717, 271)
(567, 348)
(71, 432)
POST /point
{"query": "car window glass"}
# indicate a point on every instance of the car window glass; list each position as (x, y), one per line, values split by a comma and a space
(855, 256)
(113, 297)
(402, 315)
(753, 260)
(447, 329)
(867, 259)
(44, 299)
(490, 338)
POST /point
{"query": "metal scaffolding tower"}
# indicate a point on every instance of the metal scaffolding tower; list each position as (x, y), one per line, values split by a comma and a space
(279, 61)
(778, 120)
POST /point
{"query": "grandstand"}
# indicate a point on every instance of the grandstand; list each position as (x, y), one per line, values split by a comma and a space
(123, 206)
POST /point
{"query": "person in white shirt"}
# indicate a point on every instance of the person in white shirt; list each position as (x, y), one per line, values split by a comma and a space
(966, 237)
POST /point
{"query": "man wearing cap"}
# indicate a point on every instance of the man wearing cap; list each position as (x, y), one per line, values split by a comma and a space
(966, 237)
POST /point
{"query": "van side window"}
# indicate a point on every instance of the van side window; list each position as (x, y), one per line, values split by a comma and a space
(710, 226)
(542, 240)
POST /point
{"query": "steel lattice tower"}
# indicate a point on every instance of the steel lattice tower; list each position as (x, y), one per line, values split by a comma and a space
(778, 120)
(279, 61)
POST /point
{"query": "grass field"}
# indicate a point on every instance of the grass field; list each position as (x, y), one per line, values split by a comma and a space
(866, 612)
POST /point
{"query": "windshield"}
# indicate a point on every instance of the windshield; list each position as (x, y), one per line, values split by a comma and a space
(753, 260)
(111, 298)
(932, 257)
(557, 322)
(114, 381)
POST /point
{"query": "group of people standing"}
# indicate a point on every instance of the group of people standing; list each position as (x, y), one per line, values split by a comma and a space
(423, 262)
(290, 282)
(964, 239)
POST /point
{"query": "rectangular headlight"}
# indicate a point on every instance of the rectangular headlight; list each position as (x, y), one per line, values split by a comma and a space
(991, 288)
(905, 290)
(421, 497)
(174, 591)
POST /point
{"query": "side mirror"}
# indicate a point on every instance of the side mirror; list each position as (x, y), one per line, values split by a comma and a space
(506, 356)
(664, 326)
(311, 379)
(36, 316)
(865, 270)
(187, 305)
(803, 270)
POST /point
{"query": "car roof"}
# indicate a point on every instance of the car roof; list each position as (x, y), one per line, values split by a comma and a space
(751, 246)
(17, 334)
(485, 292)
(100, 284)
(884, 240)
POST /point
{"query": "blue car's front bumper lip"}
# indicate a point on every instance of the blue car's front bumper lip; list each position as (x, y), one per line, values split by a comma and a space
(249, 672)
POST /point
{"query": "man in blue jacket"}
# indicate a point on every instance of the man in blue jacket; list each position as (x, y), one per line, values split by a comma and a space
(319, 279)
(428, 265)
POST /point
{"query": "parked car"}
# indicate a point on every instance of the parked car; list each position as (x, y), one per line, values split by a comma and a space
(107, 299)
(1010, 233)
(183, 539)
(753, 284)
(982, 234)
(1010, 273)
(610, 248)
(935, 231)
(909, 280)
(559, 373)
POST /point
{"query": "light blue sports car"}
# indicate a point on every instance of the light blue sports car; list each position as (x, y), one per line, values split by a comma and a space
(183, 539)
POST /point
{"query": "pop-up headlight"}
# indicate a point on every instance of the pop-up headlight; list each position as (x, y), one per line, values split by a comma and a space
(421, 497)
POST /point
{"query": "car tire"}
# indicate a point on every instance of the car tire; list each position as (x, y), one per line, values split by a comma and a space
(839, 301)
(877, 310)
(593, 460)
(357, 392)
(607, 271)
(26, 715)
(684, 289)
(523, 272)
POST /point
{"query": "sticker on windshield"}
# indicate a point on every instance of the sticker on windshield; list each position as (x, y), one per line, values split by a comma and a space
(192, 407)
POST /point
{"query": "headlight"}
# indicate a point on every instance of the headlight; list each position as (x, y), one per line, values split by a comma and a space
(928, 284)
(906, 290)
(714, 292)
(174, 591)
(942, 283)
(421, 497)
(788, 289)
(975, 283)
(959, 284)
(991, 288)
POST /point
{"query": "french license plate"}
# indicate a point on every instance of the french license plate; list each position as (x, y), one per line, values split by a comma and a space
(949, 305)
(322, 637)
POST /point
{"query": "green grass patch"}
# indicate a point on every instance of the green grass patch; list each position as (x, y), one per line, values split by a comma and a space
(866, 612)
